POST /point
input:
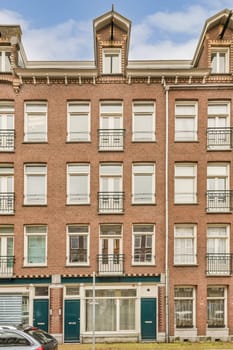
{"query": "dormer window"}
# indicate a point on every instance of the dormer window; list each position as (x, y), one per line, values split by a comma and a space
(111, 61)
(5, 63)
(220, 60)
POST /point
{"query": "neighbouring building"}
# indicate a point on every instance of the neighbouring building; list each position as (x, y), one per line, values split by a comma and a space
(116, 189)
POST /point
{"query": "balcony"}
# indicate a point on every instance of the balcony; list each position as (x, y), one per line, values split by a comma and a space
(219, 201)
(6, 266)
(7, 140)
(219, 264)
(7, 200)
(110, 264)
(220, 139)
(111, 202)
(111, 139)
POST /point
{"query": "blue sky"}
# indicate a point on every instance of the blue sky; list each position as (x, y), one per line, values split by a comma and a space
(62, 30)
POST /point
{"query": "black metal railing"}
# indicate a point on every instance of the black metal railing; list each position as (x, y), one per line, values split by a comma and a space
(220, 138)
(111, 202)
(219, 264)
(7, 202)
(7, 140)
(110, 263)
(219, 201)
(6, 266)
(111, 139)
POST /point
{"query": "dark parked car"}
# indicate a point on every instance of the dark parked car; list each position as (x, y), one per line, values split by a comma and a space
(26, 337)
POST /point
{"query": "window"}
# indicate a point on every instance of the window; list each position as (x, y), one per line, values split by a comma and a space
(220, 60)
(216, 307)
(218, 258)
(143, 244)
(184, 307)
(185, 244)
(185, 183)
(111, 195)
(35, 184)
(78, 183)
(111, 133)
(115, 310)
(35, 122)
(78, 121)
(6, 250)
(77, 244)
(186, 121)
(111, 61)
(143, 121)
(35, 252)
(6, 126)
(218, 195)
(6, 189)
(143, 184)
(5, 61)
(219, 134)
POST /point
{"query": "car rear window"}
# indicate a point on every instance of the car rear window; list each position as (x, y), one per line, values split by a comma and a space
(41, 336)
(12, 339)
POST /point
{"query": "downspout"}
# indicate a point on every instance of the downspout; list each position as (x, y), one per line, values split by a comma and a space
(166, 88)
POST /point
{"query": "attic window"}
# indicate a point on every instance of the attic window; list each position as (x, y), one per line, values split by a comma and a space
(111, 61)
(5, 63)
(220, 60)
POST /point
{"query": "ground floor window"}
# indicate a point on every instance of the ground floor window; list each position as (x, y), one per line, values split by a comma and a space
(114, 310)
(184, 307)
(216, 299)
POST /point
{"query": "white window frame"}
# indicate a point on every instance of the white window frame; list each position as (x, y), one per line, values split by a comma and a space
(219, 119)
(146, 234)
(186, 111)
(143, 169)
(144, 110)
(27, 235)
(39, 111)
(78, 109)
(78, 170)
(39, 170)
(6, 236)
(224, 298)
(3, 60)
(186, 233)
(6, 118)
(183, 312)
(81, 230)
(7, 188)
(110, 67)
(185, 171)
(217, 51)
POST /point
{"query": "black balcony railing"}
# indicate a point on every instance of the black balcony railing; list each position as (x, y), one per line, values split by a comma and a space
(110, 263)
(7, 202)
(220, 138)
(219, 201)
(111, 139)
(111, 202)
(219, 264)
(7, 140)
(6, 266)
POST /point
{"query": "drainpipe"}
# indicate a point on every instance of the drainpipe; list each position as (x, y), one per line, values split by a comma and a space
(166, 88)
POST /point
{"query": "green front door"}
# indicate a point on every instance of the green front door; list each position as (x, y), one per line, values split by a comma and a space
(148, 318)
(41, 314)
(72, 321)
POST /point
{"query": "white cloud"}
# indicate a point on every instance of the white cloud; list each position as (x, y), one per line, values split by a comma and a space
(12, 17)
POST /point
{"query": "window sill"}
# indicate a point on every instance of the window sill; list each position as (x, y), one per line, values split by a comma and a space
(35, 205)
(186, 265)
(78, 141)
(76, 204)
(77, 265)
(34, 142)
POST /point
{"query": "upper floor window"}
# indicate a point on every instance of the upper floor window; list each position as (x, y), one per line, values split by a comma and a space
(143, 244)
(5, 62)
(77, 244)
(6, 126)
(185, 183)
(35, 246)
(6, 188)
(185, 244)
(143, 183)
(35, 184)
(78, 121)
(220, 60)
(78, 183)
(143, 121)
(35, 122)
(111, 61)
(186, 121)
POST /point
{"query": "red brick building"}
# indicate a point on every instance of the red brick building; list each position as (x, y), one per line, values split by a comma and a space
(115, 189)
